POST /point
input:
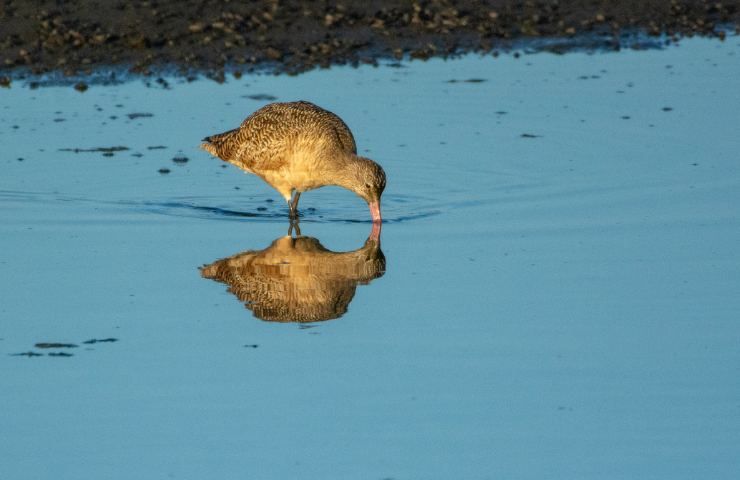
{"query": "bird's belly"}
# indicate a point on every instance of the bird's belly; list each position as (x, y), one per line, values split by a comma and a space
(285, 181)
(303, 183)
(301, 174)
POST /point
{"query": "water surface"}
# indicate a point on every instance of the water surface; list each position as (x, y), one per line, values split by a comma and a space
(560, 296)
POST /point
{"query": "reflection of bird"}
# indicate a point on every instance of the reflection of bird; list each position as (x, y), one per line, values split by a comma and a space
(297, 279)
(298, 146)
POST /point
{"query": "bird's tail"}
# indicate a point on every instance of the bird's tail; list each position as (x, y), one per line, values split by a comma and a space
(209, 147)
(218, 145)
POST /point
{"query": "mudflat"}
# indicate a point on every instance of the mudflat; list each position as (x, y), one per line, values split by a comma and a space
(215, 37)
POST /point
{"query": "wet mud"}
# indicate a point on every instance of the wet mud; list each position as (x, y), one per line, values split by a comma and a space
(218, 37)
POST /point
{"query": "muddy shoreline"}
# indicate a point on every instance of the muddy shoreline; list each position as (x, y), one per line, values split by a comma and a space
(81, 37)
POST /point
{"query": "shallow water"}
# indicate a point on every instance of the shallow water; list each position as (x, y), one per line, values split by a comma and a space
(560, 296)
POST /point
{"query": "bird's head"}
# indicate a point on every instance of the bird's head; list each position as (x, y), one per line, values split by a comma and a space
(369, 184)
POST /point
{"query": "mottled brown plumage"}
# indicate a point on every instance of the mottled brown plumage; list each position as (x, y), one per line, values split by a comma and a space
(298, 146)
(297, 279)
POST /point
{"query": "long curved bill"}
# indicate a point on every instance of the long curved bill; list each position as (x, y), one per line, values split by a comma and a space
(375, 232)
(375, 211)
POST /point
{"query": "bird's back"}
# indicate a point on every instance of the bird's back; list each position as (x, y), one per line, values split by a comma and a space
(273, 134)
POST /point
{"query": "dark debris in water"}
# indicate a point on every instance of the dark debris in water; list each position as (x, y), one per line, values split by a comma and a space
(469, 80)
(93, 341)
(156, 147)
(55, 345)
(251, 345)
(180, 159)
(96, 149)
(164, 171)
(134, 116)
(530, 135)
(60, 345)
(261, 96)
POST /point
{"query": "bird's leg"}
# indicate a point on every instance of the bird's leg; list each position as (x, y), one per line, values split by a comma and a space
(294, 223)
(294, 205)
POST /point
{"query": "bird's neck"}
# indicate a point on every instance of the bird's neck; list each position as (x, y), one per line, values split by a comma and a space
(350, 172)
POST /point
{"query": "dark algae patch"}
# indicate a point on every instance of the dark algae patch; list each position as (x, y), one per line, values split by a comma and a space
(218, 37)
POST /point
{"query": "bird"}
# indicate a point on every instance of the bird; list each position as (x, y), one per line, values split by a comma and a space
(299, 146)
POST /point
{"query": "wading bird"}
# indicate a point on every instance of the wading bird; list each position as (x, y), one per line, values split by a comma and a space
(298, 146)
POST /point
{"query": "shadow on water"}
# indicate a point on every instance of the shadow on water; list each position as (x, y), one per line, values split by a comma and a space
(296, 279)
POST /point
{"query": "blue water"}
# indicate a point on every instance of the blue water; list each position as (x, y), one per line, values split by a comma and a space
(562, 304)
